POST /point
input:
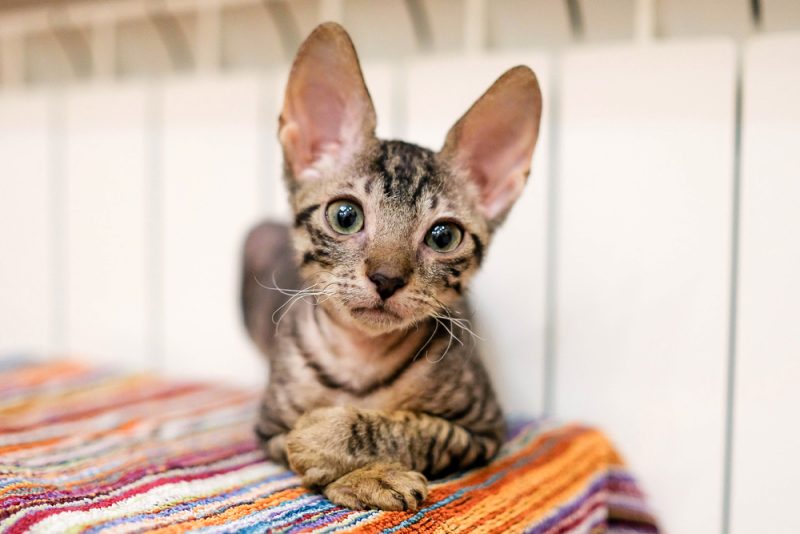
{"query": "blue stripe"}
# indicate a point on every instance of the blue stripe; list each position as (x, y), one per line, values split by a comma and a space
(193, 504)
(460, 493)
(271, 518)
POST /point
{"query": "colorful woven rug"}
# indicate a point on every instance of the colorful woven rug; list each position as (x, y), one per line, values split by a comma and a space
(86, 449)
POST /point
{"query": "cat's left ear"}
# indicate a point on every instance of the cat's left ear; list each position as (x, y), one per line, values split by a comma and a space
(327, 115)
(493, 142)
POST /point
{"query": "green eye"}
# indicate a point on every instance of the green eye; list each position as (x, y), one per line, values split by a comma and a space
(345, 217)
(443, 237)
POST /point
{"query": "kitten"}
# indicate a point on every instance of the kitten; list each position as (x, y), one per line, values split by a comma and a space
(368, 394)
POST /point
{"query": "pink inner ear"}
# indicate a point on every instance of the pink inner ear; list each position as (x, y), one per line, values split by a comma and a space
(327, 114)
(323, 119)
(494, 140)
(496, 145)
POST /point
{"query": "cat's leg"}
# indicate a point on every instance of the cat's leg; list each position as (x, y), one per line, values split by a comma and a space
(348, 453)
(274, 446)
(271, 430)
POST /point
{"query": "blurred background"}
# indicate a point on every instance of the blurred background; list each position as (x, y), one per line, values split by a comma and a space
(646, 282)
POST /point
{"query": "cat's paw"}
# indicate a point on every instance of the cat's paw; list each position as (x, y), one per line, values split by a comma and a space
(379, 486)
(316, 448)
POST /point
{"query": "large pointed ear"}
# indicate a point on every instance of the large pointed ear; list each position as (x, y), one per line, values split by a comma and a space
(327, 112)
(493, 142)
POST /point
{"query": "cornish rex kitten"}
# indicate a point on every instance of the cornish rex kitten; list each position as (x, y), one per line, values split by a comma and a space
(368, 394)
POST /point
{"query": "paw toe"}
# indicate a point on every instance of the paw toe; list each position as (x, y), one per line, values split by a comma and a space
(385, 488)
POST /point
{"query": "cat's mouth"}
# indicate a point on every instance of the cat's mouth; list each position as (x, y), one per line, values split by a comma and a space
(379, 313)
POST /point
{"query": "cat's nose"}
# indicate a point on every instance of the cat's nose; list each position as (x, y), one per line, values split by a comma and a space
(386, 285)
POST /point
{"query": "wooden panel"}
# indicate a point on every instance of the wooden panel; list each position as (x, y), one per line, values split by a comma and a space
(213, 159)
(766, 467)
(780, 15)
(380, 29)
(607, 20)
(27, 287)
(704, 17)
(106, 167)
(644, 263)
(512, 317)
(517, 24)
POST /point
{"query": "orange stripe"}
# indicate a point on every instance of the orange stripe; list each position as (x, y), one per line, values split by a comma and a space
(563, 489)
(489, 507)
(234, 513)
(474, 497)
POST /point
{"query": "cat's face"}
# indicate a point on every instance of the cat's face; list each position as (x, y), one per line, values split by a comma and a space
(387, 232)
(391, 239)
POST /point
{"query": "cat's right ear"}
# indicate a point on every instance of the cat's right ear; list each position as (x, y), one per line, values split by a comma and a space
(327, 115)
(493, 142)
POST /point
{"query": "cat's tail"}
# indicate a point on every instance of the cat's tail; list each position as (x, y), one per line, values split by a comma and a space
(269, 278)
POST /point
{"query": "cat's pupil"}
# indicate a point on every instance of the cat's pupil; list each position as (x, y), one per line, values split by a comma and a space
(346, 216)
(441, 235)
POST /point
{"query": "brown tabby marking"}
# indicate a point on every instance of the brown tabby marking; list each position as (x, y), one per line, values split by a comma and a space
(373, 380)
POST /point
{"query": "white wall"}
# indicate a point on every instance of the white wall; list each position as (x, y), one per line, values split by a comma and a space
(645, 194)
(766, 442)
(123, 206)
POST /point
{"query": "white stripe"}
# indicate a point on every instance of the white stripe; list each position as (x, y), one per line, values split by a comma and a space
(154, 499)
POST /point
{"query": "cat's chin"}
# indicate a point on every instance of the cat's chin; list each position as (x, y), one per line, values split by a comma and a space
(376, 319)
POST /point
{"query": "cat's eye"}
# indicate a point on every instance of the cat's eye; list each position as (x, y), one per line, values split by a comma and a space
(443, 237)
(345, 216)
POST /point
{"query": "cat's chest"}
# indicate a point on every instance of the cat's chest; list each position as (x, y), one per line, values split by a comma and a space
(342, 373)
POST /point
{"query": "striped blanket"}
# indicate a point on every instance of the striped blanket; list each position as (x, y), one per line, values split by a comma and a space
(87, 449)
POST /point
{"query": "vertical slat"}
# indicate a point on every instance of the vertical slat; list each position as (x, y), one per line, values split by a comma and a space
(26, 281)
(509, 293)
(212, 155)
(518, 25)
(780, 15)
(766, 467)
(704, 17)
(644, 263)
(606, 20)
(105, 165)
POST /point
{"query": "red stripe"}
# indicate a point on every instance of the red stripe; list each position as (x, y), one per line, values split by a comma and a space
(171, 392)
(35, 517)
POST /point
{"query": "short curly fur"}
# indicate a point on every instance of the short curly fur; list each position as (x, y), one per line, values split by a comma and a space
(368, 394)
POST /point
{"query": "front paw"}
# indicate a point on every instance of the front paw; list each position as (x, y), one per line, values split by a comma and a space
(316, 448)
(380, 486)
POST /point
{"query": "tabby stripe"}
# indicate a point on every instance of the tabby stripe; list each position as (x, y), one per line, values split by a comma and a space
(457, 262)
(314, 257)
(393, 346)
(304, 215)
(387, 185)
(478, 247)
(421, 184)
(318, 237)
(372, 442)
(448, 437)
(430, 459)
(354, 444)
(459, 413)
(368, 185)
(331, 383)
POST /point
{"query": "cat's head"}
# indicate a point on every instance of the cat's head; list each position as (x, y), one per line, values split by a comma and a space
(389, 232)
